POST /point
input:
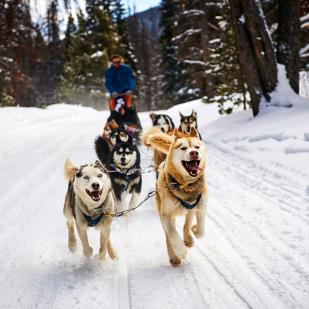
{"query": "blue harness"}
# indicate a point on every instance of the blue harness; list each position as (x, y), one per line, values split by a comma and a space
(93, 222)
(188, 205)
(182, 202)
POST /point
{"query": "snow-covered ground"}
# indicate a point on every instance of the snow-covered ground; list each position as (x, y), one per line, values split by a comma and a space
(256, 250)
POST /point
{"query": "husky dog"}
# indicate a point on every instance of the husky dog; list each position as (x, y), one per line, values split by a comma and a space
(88, 203)
(188, 122)
(182, 189)
(120, 134)
(104, 144)
(123, 166)
(162, 121)
(109, 126)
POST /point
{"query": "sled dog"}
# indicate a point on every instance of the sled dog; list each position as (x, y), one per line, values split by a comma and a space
(182, 189)
(109, 126)
(120, 134)
(88, 202)
(123, 166)
(188, 122)
(106, 142)
(162, 121)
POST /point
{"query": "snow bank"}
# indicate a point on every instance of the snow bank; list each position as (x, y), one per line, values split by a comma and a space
(277, 140)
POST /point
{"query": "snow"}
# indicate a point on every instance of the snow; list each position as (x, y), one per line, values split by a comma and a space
(283, 95)
(195, 62)
(97, 54)
(186, 34)
(256, 248)
(304, 18)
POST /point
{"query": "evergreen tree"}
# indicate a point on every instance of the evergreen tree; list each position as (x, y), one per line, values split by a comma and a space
(21, 48)
(126, 48)
(173, 72)
(88, 54)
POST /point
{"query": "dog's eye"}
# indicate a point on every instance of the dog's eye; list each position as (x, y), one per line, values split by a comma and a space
(197, 147)
(100, 175)
(86, 177)
(184, 148)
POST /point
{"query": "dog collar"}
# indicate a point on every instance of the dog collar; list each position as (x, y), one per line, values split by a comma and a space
(93, 222)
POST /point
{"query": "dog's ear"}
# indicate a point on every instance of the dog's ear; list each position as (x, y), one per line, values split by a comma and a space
(113, 124)
(179, 132)
(194, 133)
(153, 116)
(100, 166)
(181, 115)
(193, 114)
(69, 170)
(161, 141)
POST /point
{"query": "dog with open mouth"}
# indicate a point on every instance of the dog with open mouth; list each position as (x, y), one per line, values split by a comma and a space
(123, 166)
(182, 189)
(88, 203)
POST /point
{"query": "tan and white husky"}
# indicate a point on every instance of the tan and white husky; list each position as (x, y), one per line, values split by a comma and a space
(182, 189)
(88, 203)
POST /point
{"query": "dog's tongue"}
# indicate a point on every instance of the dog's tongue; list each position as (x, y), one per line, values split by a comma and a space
(193, 166)
(95, 194)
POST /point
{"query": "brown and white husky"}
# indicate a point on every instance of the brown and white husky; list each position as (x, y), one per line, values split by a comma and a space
(182, 189)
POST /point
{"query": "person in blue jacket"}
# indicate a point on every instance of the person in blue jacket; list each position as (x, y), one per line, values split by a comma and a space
(119, 78)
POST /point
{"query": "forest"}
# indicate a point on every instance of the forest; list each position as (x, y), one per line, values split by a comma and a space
(223, 51)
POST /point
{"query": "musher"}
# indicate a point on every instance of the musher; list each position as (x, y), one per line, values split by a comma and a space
(120, 82)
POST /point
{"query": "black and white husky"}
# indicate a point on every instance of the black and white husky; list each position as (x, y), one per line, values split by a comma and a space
(88, 199)
(123, 166)
(162, 121)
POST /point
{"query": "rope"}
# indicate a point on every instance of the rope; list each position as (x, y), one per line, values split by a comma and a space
(144, 170)
(148, 196)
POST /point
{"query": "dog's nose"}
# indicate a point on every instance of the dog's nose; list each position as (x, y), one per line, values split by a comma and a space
(95, 186)
(193, 153)
(123, 159)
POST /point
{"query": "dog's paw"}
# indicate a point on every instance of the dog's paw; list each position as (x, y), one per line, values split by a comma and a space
(72, 245)
(88, 252)
(113, 255)
(175, 261)
(197, 232)
(180, 251)
(188, 241)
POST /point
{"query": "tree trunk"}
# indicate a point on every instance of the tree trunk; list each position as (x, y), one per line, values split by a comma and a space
(288, 39)
(255, 48)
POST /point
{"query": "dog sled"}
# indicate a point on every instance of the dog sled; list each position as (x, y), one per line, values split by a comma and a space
(123, 111)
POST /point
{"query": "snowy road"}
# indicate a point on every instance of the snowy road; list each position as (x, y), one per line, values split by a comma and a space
(255, 253)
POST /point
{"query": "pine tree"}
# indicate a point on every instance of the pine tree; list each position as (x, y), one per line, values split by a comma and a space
(21, 47)
(126, 48)
(88, 54)
(173, 72)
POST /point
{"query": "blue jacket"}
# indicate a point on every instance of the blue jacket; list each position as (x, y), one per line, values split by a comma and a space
(119, 80)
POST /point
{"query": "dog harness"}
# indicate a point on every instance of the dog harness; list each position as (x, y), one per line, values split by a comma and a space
(185, 204)
(93, 222)
(128, 175)
(188, 205)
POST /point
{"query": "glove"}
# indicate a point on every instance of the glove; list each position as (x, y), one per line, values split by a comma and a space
(129, 92)
(115, 94)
